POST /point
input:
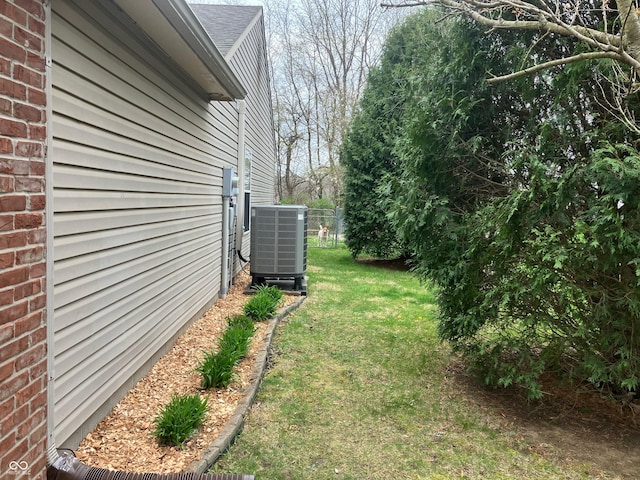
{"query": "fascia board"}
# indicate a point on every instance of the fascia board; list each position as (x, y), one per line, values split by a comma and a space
(173, 26)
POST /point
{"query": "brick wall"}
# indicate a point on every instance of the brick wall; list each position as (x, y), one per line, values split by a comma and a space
(23, 331)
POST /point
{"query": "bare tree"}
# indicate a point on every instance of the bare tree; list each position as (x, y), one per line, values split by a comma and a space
(321, 54)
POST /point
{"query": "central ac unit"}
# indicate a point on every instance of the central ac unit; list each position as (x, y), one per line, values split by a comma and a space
(279, 244)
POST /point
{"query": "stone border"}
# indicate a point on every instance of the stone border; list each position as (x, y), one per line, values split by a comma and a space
(235, 424)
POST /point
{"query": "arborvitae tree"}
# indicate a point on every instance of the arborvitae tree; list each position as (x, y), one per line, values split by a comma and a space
(521, 201)
(367, 153)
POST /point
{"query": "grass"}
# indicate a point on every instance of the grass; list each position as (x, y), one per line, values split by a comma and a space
(358, 389)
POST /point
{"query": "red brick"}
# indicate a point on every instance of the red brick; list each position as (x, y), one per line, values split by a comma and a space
(39, 370)
(27, 324)
(6, 28)
(30, 255)
(27, 112)
(37, 97)
(24, 396)
(13, 89)
(5, 67)
(38, 435)
(7, 260)
(5, 444)
(6, 223)
(6, 408)
(37, 168)
(12, 240)
(36, 26)
(37, 202)
(11, 128)
(37, 132)
(11, 350)
(28, 220)
(14, 276)
(28, 76)
(7, 184)
(36, 61)
(6, 370)
(35, 419)
(12, 50)
(38, 467)
(6, 297)
(34, 7)
(11, 386)
(29, 149)
(14, 167)
(15, 311)
(27, 39)
(6, 333)
(26, 290)
(38, 270)
(37, 303)
(6, 107)
(11, 11)
(39, 335)
(6, 145)
(7, 424)
(37, 236)
(16, 453)
(13, 203)
(30, 185)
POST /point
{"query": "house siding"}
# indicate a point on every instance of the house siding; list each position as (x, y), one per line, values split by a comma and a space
(23, 348)
(138, 154)
(249, 61)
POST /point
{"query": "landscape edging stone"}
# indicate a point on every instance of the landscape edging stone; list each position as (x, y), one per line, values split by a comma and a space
(235, 424)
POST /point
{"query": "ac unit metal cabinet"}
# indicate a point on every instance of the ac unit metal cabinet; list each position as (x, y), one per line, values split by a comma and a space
(278, 243)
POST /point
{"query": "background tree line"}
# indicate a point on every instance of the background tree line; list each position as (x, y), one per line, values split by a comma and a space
(518, 199)
(321, 52)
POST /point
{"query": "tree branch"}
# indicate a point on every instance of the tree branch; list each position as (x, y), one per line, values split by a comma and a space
(554, 63)
(623, 47)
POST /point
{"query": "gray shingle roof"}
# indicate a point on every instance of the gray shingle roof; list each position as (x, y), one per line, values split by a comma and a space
(225, 24)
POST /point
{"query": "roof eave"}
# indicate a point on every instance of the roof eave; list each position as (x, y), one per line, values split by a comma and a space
(173, 26)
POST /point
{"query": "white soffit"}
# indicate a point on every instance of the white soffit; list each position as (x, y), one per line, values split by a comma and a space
(173, 26)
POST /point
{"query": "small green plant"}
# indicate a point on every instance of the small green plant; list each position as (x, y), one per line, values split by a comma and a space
(272, 292)
(237, 336)
(241, 321)
(217, 368)
(264, 304)
(182, 416)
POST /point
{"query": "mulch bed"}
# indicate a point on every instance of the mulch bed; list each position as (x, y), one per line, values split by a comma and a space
(123, 440)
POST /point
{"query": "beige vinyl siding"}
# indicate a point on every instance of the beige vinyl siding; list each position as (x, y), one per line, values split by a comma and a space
(137, 154)
(250, 63)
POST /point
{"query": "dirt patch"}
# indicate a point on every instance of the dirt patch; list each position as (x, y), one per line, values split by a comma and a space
(123, 440)
(570, 423)
(400, 264)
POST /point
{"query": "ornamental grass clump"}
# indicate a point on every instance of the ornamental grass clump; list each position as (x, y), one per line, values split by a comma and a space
(237, 336)
(216, 367)
(264, 304)
(180, 418)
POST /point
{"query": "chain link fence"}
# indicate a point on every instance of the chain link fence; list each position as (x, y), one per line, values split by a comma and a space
(325, 227)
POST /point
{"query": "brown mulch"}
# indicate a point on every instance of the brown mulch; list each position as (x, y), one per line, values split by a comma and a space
(123, 440)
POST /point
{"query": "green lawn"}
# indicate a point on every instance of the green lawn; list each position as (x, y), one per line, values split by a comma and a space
(358, 389)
